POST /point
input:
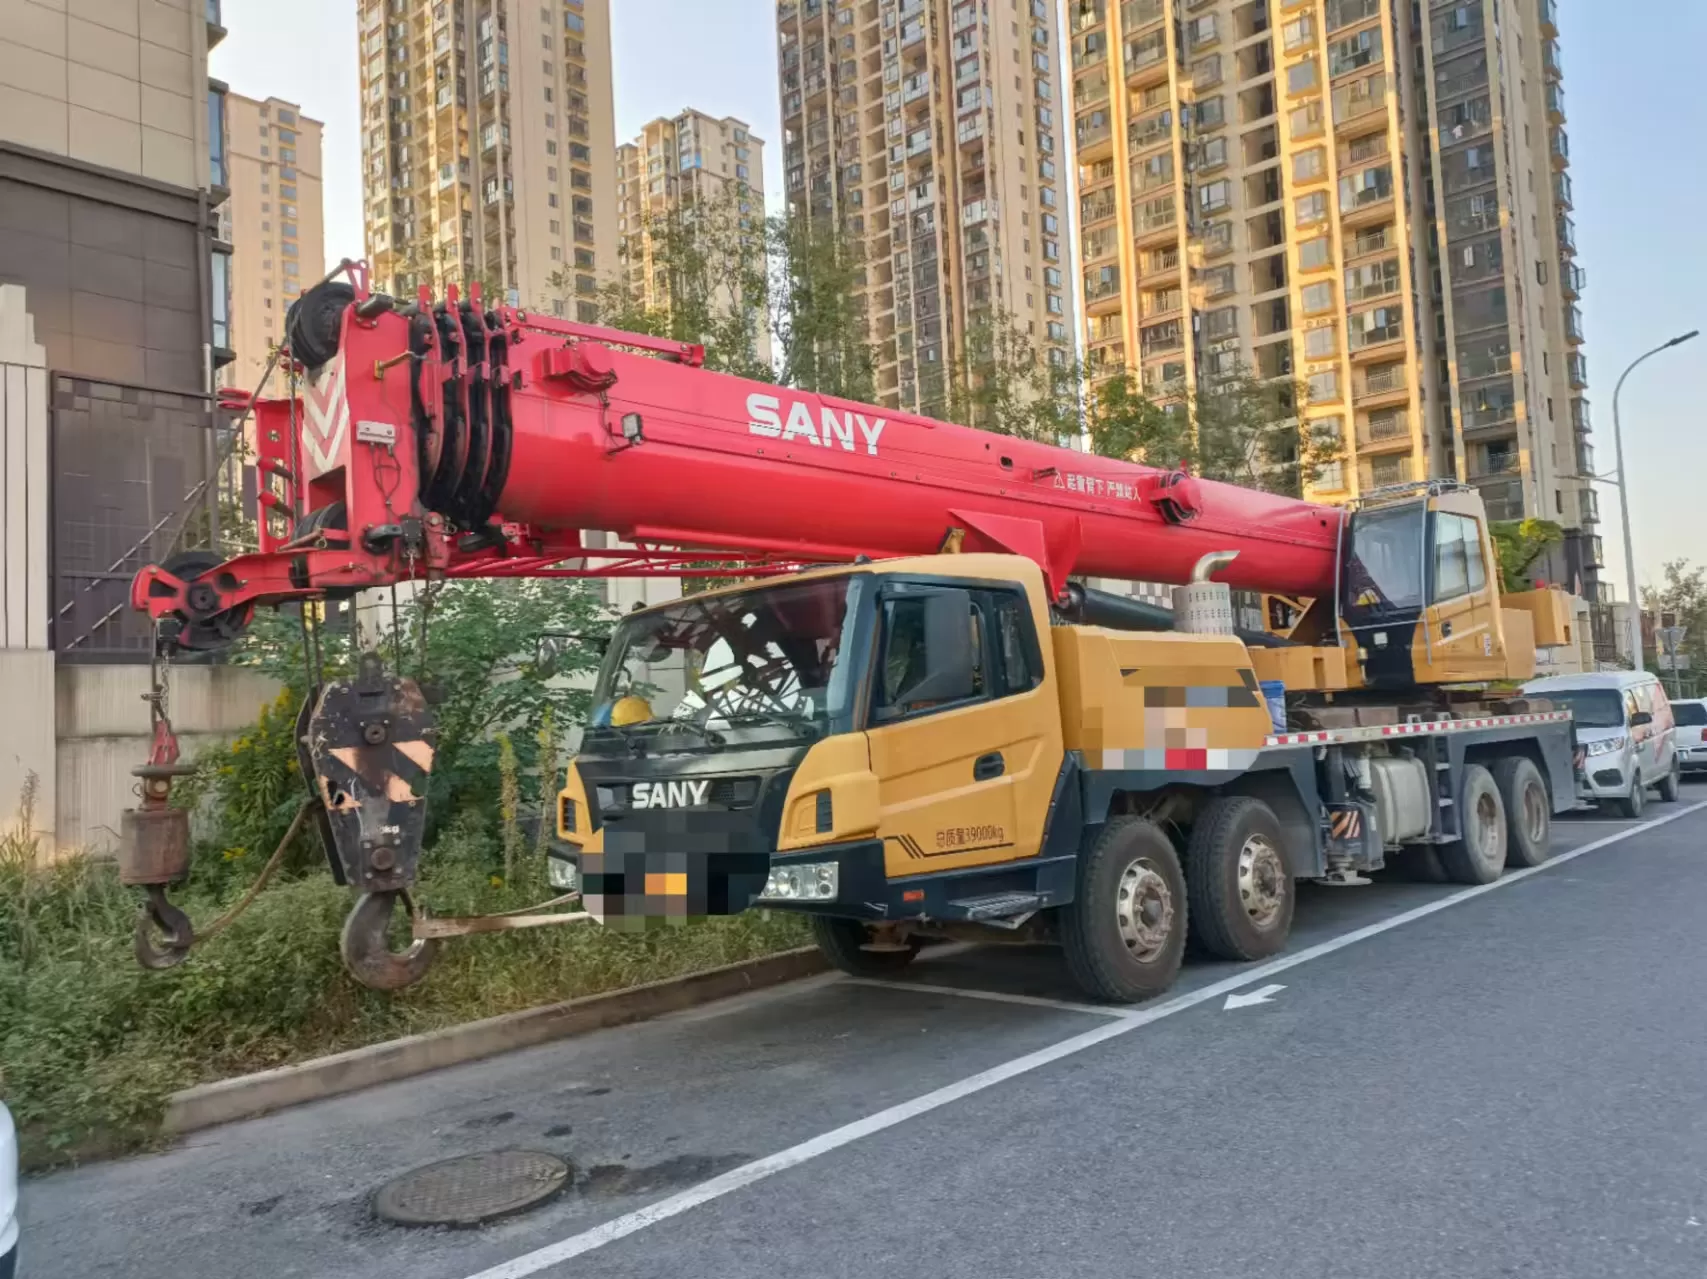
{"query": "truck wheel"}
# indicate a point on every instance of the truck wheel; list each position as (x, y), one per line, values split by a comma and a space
(1124, 933)
(1673, 782)
(1528, 809)
(1237, 881)
(841, 941)
(1631, 805)
(1479, 857)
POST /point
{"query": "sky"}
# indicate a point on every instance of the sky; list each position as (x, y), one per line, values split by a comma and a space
(1636, 116)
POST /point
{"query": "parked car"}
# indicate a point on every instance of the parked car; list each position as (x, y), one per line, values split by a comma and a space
(1691, 733)
(8, 1195)
(1626, 736)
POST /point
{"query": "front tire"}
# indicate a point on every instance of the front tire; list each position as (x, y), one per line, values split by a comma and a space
(841, 941)
(1633, 804)
(1238, 883)
(1124, 933)
(1478, 856)
(1528, 808)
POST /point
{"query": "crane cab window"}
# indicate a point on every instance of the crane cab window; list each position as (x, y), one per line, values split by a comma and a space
(1384, 570)
(1458, 567)
(928, 665)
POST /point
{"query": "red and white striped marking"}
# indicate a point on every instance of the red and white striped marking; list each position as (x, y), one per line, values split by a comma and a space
(1422, 728)
(325, 418)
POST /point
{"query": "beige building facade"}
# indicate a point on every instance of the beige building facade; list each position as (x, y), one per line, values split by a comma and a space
(489, 146)
(675, 163)
(1366, 196)
(274, 221)
(931, 131)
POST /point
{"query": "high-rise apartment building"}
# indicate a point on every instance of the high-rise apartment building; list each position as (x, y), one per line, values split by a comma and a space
(489, 146)
(929, 130)
(1367, 196)
(675, 163)
(274, 223)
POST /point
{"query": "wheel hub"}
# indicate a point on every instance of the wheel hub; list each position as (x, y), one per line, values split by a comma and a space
(1262, 881)
(1487, 819)
(1144, 909)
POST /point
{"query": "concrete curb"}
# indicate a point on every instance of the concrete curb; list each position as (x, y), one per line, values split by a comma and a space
(249, 1095)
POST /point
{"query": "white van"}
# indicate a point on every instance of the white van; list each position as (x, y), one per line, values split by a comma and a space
(8, 1195)
(1626, 736)
(1691, 715)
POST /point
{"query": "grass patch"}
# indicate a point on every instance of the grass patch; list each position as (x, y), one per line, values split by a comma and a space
(91, 1045)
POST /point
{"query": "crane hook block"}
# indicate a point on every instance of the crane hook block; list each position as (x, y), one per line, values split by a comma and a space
(371, 740)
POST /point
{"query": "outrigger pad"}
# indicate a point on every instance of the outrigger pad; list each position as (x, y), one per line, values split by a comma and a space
(372, 741)
(686, 872)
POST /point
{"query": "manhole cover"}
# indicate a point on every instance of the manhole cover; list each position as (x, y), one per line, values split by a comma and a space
(471, 1188)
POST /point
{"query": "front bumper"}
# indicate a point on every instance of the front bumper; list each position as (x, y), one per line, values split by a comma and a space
(865, 891)
(1604, 777)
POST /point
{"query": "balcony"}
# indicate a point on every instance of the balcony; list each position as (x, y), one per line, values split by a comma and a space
(1155, 218)
(1588, 503)
(1159, 264)
(215, 23)
(1386, 429)
(1137, 14)
(1550, 60)
(1573, 325)
(1549, 12)
(1161, 339)
(1097, 207)
(1585, 457)
(1387, 381)
(1497, 461)
(978, 212)
(1102, 285)
(1556, 103)
(1360, 98)
(1581, 420)
(1561, 148)
(1567, 235)
(1370, 241)
(1562, 190)
(1384, 471)
(1151, 131)
(1576, 367)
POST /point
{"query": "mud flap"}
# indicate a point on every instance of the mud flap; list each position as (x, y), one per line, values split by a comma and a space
(371, 741)
(1354, 837)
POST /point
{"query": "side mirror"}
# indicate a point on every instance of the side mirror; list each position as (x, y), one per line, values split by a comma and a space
(1640, 718)
(949, 675)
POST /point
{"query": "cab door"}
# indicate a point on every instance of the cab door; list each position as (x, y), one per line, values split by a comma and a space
(1461, 640)
(965, 774)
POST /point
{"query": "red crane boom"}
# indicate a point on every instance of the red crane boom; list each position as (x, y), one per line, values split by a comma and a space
(454, 439)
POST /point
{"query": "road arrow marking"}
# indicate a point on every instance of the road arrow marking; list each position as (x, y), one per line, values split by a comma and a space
(1263, 996)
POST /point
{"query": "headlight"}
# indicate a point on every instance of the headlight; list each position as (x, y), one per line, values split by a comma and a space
(814, 881)
(1606, 746)
(562, 874)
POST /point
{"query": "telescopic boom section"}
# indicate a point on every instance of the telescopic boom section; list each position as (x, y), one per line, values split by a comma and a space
(450, 438)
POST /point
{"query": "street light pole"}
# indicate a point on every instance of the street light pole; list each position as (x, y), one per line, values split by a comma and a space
(1624, 497)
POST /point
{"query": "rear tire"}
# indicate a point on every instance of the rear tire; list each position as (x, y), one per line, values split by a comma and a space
(1238, 881)
(1672, 786)
(1124, 933)
(1633, 804)
(1528, 810)
(841, 940)
(1478, 857)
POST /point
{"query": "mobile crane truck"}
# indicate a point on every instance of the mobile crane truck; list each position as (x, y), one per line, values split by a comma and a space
(911, 719)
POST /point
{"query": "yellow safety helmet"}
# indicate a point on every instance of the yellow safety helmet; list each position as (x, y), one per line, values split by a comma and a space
(630, 710)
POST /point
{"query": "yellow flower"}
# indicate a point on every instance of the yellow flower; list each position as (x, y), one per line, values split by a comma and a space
(497, 881)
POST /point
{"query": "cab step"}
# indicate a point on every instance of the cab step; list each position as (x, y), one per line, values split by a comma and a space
(998, 909)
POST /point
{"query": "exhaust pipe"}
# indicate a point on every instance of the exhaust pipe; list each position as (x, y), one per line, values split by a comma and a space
(1211, 564)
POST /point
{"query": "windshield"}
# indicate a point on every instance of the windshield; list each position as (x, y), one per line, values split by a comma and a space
(767, 656)
(1384, 572)
(1591, 707)
(1690, 714)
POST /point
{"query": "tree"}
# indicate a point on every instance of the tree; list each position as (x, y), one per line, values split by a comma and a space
(704, 277)
(1685, 594)
(1240, 429)
(1518, 544)
(816, 311)
(1012, 386)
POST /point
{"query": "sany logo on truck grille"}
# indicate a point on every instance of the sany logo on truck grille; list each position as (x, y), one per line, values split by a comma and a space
(767, 418)
(668, 794)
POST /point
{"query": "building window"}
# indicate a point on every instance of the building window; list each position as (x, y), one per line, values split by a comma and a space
(221, 335)
(1301, 76)
(1320, 343)
(1318, 297)
(1315, 253)
(1312, 208)
(1308, 164)
(1325, 386)
(216, 136)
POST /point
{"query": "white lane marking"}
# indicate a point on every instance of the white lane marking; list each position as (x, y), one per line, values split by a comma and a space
(994, 996)
(1264, 996)
(759, 1169)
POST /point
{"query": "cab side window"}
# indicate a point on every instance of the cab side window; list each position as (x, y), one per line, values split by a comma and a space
(904, 655)
(1021, 667)
(1458, 567)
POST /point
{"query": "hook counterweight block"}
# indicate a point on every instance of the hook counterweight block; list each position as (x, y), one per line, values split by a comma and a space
(371, 741)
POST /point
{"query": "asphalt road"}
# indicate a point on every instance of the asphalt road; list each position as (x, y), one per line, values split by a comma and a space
(1504, 1082)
